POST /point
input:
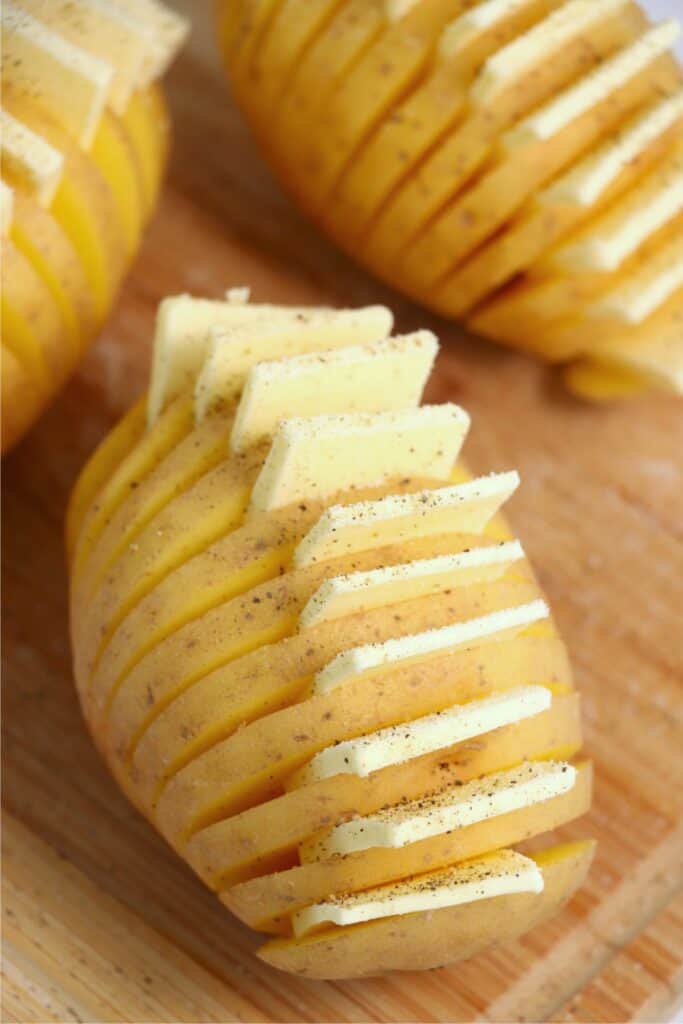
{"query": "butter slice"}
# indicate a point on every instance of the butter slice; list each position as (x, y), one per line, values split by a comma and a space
(358, 660)
(596, 86)
(282, 334)
(452, 808)
(183, 341)
(497, 874)
(397, 9)
(105, 32)
(618, 233)
(315, 457)
(70, 83)
(641, 293)
(486, 15)
(387, 375)
(539, 44)
(399, 743)
(166, 33)
(461, 508)
(6, 208)
(361, 591)
(29, 159)
(586, 182)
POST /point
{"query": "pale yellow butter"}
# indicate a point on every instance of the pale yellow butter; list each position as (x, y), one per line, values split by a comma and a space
(69, 82)
(383, 376)
(596, 86)
(362, 591)
(30, 159)
(105, 32)
(453, 808)
(243, 334)
(358, 660)
(539, 44)
(315, 457)
(400, 743)
(460, 508)
(497, 874)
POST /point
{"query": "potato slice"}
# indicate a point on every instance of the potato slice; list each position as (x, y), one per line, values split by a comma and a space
(111, 452)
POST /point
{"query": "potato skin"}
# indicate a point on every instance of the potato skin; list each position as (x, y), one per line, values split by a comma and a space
(385, 143)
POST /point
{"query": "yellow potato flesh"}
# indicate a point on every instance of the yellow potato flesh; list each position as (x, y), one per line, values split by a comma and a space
(146, 122)
(113, 154)
(31, 324)
(196, 454)
(111, 452)
(142, 458)
(316, 76)
(42, 241)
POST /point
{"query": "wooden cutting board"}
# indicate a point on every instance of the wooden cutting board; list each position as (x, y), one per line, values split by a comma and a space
(102, 921)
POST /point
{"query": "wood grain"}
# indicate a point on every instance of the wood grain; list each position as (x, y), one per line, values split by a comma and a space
(102, 922)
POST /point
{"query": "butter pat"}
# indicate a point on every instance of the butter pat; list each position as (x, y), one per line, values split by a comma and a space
(641, 293)
(403, 742)
(496, 874)
(461, 508)
(585, 183)
(29, 159)
(384, 376)
(539, 45)
(597, 86)
(397, 9)
(312, 458)
(453, 808)
(362, 591)
(244, 334)
(370, 657)
(102, 30)
(166, 33)
(487, 15)
(284, 334)
(6, 208)
(616, 235)
(68, 82)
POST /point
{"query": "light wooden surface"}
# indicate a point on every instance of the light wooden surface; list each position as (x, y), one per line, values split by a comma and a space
(102, 922)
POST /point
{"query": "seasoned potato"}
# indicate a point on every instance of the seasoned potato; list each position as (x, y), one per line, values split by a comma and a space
(311, 651)
(514, 164)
